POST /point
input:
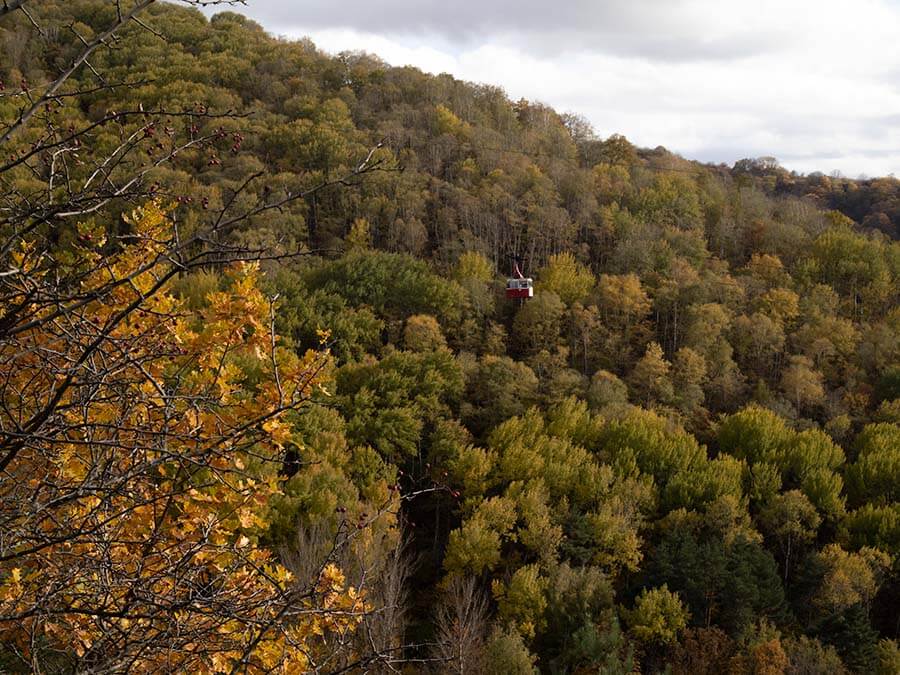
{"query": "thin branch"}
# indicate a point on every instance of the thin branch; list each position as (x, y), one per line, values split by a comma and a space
(48, 95)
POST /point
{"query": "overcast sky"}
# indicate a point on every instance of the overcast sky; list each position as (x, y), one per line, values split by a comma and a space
(814, 83)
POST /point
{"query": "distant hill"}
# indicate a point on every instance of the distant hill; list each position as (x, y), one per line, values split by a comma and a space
(480, 170)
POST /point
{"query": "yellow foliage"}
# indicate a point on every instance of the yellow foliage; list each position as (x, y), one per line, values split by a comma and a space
(137, 492)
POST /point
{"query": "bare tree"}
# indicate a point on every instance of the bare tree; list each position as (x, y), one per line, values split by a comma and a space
(461, 623)
(381, 572)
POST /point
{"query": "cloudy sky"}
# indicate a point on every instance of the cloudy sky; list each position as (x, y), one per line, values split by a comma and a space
(815, 83)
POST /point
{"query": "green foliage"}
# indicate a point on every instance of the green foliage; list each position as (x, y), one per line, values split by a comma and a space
(724, 577)
(538, 323)
(476, 545)
(506, 654)
(652, 443)
(888, 386)
(736, 311)
(875, 475)
(392, 284)
(852, 635)
(658, 616)
(473, 266)
(704, 484)
(389, 402)
(582, 630)
(650, 378)
(567, 278)
(522, 601)
(422, 333)
(310, 318)
(888, 657)
(875, 526)
(360, 236)
(607, 390)
(846, 260)
(777, 455)
(792, 521)
(754, 434)
(672, 201)
(498, 389)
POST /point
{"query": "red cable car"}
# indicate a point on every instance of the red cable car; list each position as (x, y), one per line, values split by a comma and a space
(519, 286)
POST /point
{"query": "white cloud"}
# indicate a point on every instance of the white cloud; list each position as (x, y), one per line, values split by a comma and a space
(816, 84)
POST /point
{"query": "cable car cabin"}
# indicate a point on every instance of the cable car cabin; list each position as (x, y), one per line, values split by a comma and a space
(519, 288)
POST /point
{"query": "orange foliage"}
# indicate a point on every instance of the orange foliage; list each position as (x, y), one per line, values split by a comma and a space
(141, 443)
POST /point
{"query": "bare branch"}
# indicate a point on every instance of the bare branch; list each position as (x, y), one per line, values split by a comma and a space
(89, 49)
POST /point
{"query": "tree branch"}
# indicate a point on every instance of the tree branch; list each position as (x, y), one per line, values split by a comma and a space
(48, 95)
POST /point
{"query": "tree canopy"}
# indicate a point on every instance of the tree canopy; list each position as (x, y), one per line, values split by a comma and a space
(264, 405)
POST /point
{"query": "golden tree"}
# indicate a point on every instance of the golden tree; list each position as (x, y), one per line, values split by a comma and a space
(139, 445)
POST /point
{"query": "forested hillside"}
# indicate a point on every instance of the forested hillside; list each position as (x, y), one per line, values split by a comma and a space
(683, 452)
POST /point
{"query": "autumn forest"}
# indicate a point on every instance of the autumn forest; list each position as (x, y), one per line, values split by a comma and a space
(265, 406)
